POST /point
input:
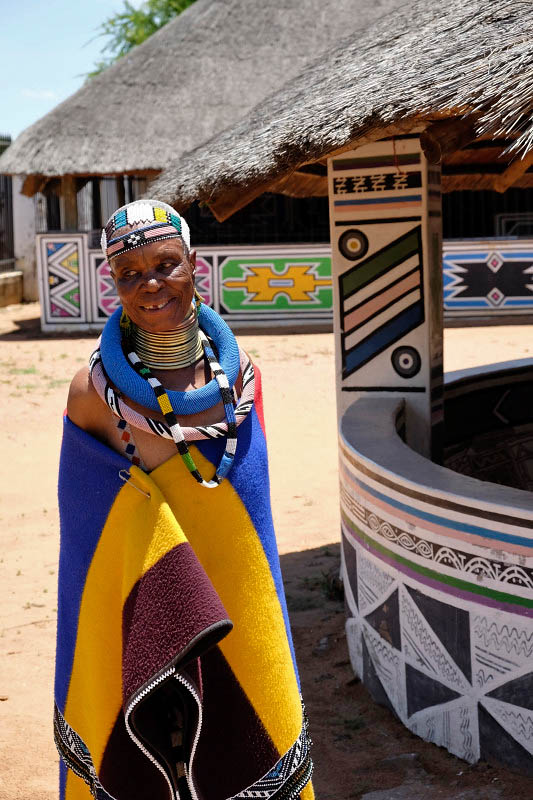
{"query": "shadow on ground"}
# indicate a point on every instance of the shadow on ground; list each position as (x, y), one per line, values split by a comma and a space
(26, 329)
(360, 749)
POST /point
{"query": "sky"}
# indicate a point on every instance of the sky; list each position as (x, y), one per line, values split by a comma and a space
(46, 47)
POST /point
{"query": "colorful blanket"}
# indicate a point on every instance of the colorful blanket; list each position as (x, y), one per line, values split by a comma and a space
(175, 671)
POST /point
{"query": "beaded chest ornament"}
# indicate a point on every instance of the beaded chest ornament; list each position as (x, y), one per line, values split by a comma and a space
(120, 408)
(165, 406)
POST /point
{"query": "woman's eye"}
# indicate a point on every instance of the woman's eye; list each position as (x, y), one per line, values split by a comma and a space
(131, 273)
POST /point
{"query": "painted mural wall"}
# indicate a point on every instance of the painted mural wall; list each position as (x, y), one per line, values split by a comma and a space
(280, 284)
(249, 286)
(491, 277)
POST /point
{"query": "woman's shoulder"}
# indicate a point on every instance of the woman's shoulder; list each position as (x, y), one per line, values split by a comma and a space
(84, 407)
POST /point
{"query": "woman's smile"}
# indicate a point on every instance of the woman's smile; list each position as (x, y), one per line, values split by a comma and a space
(157, 306)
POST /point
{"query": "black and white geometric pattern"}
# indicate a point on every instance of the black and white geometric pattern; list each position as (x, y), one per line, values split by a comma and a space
(288, 777)
(74, 752)
(453, 674)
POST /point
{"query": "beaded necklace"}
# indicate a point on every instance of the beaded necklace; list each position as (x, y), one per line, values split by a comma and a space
(126, 378)
(165, 405)
(120, 408)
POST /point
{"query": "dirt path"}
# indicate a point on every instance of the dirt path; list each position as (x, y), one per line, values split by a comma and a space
(359, 747)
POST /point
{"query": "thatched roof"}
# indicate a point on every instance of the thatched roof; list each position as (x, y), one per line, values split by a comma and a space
(423, 62)
(200, 73)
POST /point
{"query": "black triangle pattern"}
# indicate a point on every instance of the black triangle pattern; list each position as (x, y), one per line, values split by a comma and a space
(519, 691)
(423, 691)
(496, 745)
(386, 620)
(451, 625)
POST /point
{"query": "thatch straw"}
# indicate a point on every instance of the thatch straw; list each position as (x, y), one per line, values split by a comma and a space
(424, 61)
(202, 72)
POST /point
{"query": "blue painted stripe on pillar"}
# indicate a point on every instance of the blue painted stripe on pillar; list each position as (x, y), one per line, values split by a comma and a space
(385, 336)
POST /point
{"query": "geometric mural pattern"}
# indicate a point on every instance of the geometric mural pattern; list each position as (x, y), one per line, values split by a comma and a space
(294, 283)
(385, 247)
(259, 285)
(247, 285)
(204, 278)
(103, 291)
(63, 269)
(489, 279)
(438, 630)
(381, 300)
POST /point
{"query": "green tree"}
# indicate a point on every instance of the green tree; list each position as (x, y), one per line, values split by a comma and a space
(131, 26)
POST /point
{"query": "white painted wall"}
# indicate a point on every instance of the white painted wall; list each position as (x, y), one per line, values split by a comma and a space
(24, 239)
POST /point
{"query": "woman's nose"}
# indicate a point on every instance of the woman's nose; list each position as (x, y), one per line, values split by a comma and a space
(152, 282)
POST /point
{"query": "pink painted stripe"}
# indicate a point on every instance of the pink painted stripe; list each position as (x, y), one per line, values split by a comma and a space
(359, 315)
(425, 525)
(114, 247)
(351, 208)
(160, 232)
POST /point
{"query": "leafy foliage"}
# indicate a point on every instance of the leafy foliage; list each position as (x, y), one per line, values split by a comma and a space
(131, 26)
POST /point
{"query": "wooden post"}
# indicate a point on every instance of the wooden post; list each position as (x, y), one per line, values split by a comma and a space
(69, 204)
(386, 240)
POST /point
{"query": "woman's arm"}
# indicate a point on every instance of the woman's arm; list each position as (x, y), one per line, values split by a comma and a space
(84, 407)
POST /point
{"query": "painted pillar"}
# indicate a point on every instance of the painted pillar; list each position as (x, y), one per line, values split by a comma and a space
(386, 241)
(24, 239)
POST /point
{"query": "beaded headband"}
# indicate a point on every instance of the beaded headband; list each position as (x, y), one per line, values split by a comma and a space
(163, 222)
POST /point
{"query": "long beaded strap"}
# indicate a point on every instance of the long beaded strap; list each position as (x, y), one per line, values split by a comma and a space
(128, 444)
(227, 459)
(174, 426)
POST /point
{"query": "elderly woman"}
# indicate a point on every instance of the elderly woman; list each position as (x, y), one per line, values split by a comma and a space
(175, 672)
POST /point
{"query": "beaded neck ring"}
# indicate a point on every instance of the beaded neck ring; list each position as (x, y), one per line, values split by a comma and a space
(228, 457)
(131, 384)
(120, 408)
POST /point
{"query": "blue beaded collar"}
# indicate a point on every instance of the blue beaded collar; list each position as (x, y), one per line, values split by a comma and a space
(137, 389)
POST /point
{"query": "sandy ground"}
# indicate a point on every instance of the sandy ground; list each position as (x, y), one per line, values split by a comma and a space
(359, 747)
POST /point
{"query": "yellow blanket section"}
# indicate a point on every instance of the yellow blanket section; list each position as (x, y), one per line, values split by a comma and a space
(227, 545)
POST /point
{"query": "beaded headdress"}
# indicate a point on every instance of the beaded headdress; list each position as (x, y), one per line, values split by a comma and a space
(158, 220)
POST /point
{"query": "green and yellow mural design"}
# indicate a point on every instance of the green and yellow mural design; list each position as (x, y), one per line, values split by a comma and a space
(298, 283)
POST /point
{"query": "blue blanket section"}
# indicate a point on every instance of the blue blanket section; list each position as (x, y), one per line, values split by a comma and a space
(88, 484)
(249, 478)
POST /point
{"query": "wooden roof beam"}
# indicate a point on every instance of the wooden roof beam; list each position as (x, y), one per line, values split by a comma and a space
(513, 173)
(33, 184)
(446, 136)
(232, 200)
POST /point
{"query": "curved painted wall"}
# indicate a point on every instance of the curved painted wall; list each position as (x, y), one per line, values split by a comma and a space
(438, 574)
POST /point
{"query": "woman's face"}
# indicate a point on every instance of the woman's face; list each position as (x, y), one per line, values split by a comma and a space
(155, 284)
